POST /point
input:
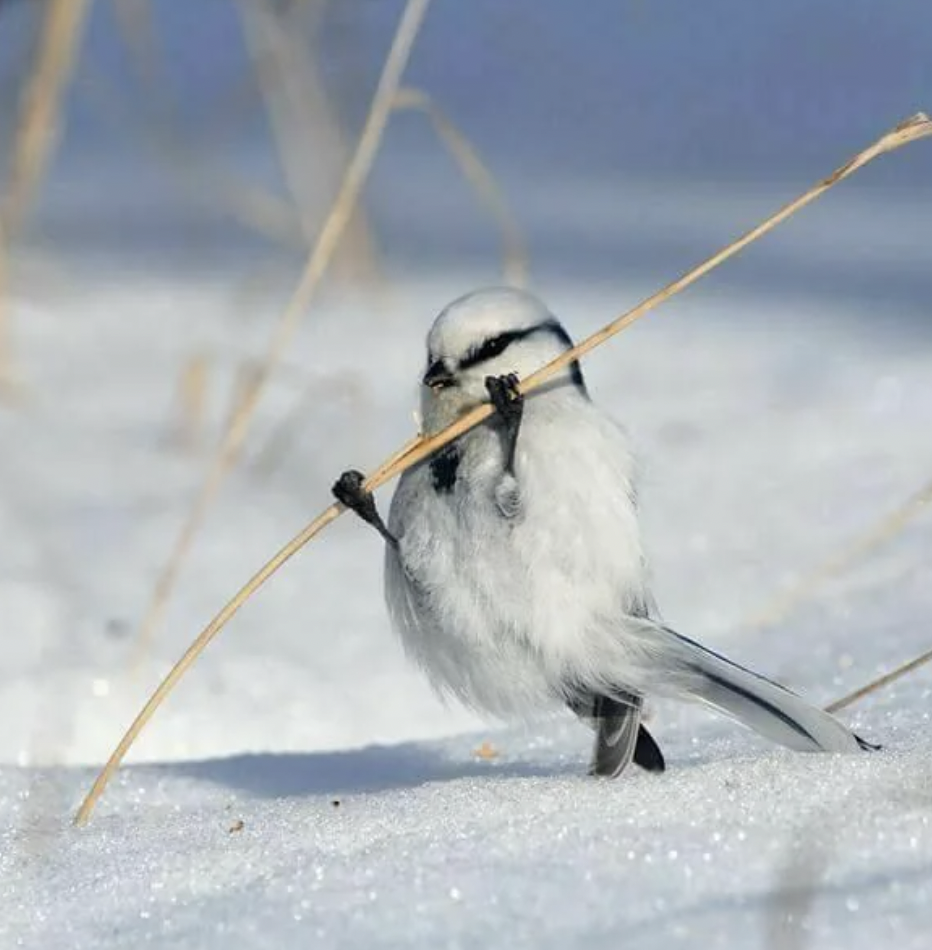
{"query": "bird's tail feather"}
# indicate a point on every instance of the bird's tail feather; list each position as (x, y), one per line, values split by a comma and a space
(753, 700)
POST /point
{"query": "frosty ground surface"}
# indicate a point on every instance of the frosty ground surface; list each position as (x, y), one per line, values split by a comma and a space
(305, 786)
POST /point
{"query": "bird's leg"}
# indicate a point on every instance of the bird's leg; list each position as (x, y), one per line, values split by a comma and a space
(509, 405)
(349, 491)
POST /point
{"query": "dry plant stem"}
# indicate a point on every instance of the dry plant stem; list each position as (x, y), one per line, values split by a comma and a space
(917, 127)
(192, 401)
(515, 270)
(783, 604)
(134, 21)
(8, 379)
(192, 653)
(253, 207)
(515, 254)
(911, 130)
(327, 242)
(34, 139)
(304, 128)
(262, 211)
(41, 105)
(851, 698)
(337, 386)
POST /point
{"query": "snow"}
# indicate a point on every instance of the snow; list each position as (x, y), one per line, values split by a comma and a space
(369, 815)
(303, 787)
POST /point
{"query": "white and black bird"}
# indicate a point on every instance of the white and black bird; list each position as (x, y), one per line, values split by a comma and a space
(514, 569)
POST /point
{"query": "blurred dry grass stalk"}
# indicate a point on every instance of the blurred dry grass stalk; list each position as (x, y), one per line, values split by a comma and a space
(33, 141)
(880, 682)
(191, 400)
(305, 128)
(40, 106)
(306, 134)
(318, 261)
(250, 205)
(474, 170)
(916, 127)
(844, 559)
(515, 257)
(8, 376)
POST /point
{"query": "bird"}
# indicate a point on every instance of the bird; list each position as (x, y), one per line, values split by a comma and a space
(515, 573)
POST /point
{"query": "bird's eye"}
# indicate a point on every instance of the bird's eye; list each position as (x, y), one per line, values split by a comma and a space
(489, 349)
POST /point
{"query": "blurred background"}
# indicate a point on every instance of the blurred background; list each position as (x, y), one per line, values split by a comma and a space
(167, 169)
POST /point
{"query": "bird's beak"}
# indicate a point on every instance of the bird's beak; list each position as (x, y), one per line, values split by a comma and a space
(438, 376)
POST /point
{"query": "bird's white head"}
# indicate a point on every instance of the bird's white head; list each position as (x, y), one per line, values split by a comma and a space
(490, 332)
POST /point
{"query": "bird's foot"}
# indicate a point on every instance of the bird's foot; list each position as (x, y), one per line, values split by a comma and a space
(505, 396)
(508, 401)
(349, 489)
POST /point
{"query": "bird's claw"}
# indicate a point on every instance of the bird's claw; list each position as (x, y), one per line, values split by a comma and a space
(508, 402)
(505, 396)
(349, 491)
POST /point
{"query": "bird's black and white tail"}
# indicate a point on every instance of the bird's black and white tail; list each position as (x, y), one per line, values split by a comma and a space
(753, 700)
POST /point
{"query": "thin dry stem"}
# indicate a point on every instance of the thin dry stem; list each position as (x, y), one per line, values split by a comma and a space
(327, 242)
(252, 206)
(38, 127)
(919, 126)
(304, 128)
(192, 400)
(422, 447)
(475, 171)
(851, 698)
(841, 561)
(337, 385)
(8, 377)
(33, 142)
(514, 253)
(134, 21)
(192, 653)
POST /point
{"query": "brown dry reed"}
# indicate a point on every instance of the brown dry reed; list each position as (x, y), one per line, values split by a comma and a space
(515, 256)
(33, 141)
(463, 152)
(304, 126)
(782, 605)
(40, 109)
(343, 222)
(911, 130)
(339, 217)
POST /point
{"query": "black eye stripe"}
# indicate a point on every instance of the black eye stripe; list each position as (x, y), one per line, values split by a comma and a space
(497, 345)
(492, 347)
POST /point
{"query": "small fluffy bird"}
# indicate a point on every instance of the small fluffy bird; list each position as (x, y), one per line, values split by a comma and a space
(514, 569)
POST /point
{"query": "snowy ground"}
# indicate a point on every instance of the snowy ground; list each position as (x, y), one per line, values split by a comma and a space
(304, 788)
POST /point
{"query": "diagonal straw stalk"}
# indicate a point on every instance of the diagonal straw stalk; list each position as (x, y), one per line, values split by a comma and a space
(328, 241)
(919, 126)
(780, 607)
(474, 170)
(515, 255)
(39, 121)
(8, 378)
(897, 673)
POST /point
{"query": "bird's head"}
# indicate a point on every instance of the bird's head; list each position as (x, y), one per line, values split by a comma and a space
(489, 332)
